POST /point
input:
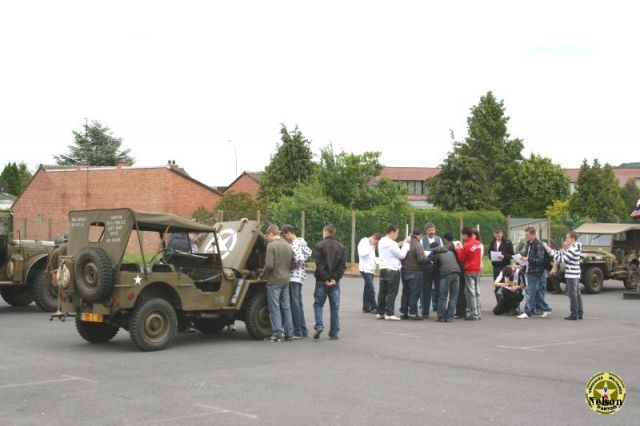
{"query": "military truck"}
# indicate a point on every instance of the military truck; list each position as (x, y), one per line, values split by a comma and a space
(22, 267)
(153, 295)
(610, 251)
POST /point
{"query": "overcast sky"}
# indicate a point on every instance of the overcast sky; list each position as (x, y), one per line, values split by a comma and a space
(179, 79)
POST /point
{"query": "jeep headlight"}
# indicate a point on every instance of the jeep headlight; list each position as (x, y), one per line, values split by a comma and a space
(10, 269)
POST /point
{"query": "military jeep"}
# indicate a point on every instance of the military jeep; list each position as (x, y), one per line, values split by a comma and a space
(22, 269)
(153, 295)
(610, 251)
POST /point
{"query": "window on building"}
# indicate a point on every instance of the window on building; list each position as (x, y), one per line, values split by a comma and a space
(415, 187)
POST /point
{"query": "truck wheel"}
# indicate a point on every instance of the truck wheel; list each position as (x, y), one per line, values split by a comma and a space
(95, 332)
(593, 280)
(18, 295)
(210, 326)
(153, 324)
(44, 293)
(633, 277)
(256, 317)
(93, 274)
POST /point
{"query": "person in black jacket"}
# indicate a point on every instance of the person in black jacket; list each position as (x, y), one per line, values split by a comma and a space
(536, 275)
(446, 268)
(331, 262)
(505, 247)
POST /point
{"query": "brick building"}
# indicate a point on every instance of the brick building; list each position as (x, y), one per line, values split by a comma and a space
(248, 182)
(41, 212)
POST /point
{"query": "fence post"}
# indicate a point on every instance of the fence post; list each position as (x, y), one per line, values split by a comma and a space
(508, 227)
(549, 230)
(259, 218)
(220, 216)
(412, 221)
(353, 236)
(303, 228)
(461, 225)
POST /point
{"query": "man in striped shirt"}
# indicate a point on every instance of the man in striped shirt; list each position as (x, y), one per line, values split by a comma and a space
(570, 256)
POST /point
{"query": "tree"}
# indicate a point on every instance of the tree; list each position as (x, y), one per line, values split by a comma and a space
(292, 165)
(540, 182)
(17, 176)
(630, 194)
(597, 197)
(96, 146)
(349, 180)
(236, 205)
(490, 143)
(462, 184)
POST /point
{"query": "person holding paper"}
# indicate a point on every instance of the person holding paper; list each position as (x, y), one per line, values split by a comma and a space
(536, 276)
(510, 282)
(390, 255)
(500, 253)
(470, 255)
(412, 277)
(368, 262)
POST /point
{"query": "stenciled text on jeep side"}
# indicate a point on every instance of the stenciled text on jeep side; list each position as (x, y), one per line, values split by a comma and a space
(156, 294)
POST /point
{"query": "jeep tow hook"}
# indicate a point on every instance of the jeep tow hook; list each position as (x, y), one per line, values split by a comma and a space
(62, 316)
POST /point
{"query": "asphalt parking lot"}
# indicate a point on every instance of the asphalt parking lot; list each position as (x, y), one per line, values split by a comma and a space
(500, 370)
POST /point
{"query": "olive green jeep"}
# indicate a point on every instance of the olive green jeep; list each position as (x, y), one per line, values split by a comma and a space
(23, 265)
(158, 291)
(610, 251)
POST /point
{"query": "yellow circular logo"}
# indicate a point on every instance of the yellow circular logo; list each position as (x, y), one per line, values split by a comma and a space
(605, 393)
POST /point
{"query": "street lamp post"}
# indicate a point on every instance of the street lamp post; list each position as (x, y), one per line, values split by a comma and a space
(236, 156)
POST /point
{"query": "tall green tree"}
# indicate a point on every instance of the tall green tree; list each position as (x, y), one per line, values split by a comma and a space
(630, 194)
(462, 184)
(236, 205)
(489, 141)
(17, 177)
(349, 180)
(597, 197)
(540, 182)
(94, 145)
(291, 166)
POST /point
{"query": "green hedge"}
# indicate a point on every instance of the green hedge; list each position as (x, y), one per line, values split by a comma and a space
(320, 212)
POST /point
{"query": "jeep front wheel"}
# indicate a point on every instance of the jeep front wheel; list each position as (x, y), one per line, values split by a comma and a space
(17, 296)
(633, 277)
(153, 324)
(95, 332)
(44, 293)
(256, 317)
(593, 280)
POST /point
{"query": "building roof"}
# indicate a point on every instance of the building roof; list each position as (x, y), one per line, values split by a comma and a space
(255, 176)
(409, 173)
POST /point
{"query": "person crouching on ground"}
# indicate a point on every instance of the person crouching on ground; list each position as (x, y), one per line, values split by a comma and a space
(509, 285)
(276, 273)
(331, 262)
(411, 274)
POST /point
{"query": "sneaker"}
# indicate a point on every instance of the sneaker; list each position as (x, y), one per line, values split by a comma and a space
(391, 318)
(416, 317)
(471, 318)
(334, 338)
(288, 338)
(545, 314)
(316, 334)
(379, 316)
(273, 339)
(570, 318)
(296, 337)
(404, 316)
(523, 316)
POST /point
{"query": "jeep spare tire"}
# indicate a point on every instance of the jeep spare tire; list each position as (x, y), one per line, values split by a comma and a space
(94, 277)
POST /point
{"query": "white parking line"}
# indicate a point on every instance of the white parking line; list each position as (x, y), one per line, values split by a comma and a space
(212, 410)
(224, 411)
(570, 342)
(46, 382)
(399, 334)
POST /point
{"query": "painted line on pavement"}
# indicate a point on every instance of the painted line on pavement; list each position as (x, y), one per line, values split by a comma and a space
(570, 342)
(65, 378)
(399, 334)
(211, 411)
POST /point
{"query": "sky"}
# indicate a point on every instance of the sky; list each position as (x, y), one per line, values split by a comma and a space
(206, 82)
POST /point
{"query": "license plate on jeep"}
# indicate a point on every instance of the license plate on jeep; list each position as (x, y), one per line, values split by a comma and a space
(91, 317)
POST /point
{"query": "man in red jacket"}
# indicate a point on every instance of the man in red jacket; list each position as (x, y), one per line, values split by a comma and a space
(471, 257)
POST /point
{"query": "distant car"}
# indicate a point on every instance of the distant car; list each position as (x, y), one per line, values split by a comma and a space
(152, 296)
(610, 251)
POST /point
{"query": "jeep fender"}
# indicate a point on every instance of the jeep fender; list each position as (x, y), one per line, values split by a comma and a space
(161, 290)
(249, 287)
(33, 264)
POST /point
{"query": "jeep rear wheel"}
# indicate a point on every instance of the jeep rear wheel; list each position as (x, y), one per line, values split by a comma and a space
(17, 296)
(153, 324)
(210, 326)
(593, 280)
(256, 317)
(95, 332)
(633, 277)
(93, 274)
(44, 293)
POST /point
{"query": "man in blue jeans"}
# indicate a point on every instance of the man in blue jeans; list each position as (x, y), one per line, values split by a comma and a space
(277, 263)
(301, 252)
(536, 276)
(331, 262)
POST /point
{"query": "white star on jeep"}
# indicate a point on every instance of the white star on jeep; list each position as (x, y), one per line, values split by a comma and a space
(138, 280)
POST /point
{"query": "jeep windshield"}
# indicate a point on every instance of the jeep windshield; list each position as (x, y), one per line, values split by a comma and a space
(595, 240)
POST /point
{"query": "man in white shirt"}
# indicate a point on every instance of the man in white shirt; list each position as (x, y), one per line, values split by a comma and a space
(367, 264)
(301, 252)
(390, 256)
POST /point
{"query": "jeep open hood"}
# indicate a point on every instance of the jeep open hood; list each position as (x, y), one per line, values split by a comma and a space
(236, 241)
(606, 228)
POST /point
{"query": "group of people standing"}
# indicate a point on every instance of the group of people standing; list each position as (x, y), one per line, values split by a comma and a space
(444, 274)
(284, 273)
